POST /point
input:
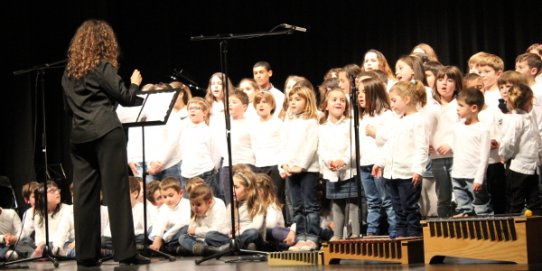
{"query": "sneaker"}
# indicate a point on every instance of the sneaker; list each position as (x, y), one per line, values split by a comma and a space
(11, 255)
(309, 245)
(198, 249)
(460, 215)
(297, 246)
(334, 238)
(251, 246)
(393, 235)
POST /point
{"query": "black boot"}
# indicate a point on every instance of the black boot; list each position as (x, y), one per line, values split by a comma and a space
(136, 260)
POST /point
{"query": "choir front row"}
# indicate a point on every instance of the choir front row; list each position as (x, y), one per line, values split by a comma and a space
(190, 217)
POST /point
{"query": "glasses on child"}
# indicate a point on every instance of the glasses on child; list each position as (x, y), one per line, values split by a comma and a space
(53, 190)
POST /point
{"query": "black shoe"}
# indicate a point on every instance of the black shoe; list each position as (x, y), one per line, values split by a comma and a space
(89, 263)
(211, 250)
(136, 260)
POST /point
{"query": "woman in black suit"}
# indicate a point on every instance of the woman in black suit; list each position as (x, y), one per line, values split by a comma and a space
(92, 89)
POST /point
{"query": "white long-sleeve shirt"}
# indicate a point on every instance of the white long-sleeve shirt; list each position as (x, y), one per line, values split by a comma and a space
(335, 142)
(265, 137)
(171, 220)
(66, 229)
(215, 219)
(442, 131)
(493, 118)
(369, 149)
(245, 222)
(521, 142)
(274, 217)
(470, 144)
(200, 150)
(299, 141)
(54, 222)
(139, 223)
(406, 150)
(9, 223)
(241, 144)
(28, 223)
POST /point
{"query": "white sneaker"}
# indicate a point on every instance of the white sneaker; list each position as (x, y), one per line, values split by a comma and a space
(297, 246)
(309, 245)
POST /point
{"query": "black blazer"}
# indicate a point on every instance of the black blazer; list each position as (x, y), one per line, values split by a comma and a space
(92, 101)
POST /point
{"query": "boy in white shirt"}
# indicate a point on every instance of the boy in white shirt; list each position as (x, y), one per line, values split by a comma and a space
(10, 229)
(471, 147)
(172, 216)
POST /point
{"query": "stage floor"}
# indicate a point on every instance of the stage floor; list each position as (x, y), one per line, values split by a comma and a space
(188, 264)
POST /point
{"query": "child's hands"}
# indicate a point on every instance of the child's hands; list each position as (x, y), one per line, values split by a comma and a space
(416, 179)
(335, 165)
(191, 230)
(133, 167)
(476, 187)
(156, 244)
(376, 171)
(290, 238)
(444, 149)
(370, 131)
(155, 167)
(494, 144)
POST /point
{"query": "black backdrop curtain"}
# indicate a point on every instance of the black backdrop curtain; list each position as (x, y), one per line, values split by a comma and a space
(154, 37)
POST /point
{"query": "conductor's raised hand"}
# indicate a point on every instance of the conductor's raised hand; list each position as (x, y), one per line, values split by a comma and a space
(136, 77)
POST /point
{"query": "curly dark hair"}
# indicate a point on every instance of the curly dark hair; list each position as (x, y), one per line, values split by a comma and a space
(93, 42)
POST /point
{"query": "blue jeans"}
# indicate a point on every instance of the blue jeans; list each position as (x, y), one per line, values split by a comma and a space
(173, 171)
(470, 202)
(442, 169)
(210, 178)
(377, 199)
(303, 194)
(217, 239)
(405, 197)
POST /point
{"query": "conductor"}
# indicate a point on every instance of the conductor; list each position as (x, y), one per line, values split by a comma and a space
(92, 88)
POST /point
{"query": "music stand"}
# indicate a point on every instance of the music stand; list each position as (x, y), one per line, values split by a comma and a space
(40, 74)
(155, 110)
(223, 45)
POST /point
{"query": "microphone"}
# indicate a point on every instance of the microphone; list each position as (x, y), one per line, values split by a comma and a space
(295, 28)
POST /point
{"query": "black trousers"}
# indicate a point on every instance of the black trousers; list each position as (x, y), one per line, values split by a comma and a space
(522, 192)
(101, 166)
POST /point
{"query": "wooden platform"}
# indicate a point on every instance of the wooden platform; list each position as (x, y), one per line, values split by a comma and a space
(511, 239)
(399, 250)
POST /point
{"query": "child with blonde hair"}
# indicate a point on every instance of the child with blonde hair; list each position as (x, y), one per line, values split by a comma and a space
(521, 143)
(405, 156)
(335, 153)
(299, 164)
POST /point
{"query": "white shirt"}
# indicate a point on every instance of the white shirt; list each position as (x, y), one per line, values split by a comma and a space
(241, 146)
(66, 230)
(491, 97)
(216, 219)
(265, 137)
(171, 220)
(492, 117)
(521, 142)
(537, 106)
(274, 217)
(335, 142)
(28, 225)
(245, 222)
(138, 222)
(279, 99)
(406, 150)
(299, 140)
(369, 150)
(9, 223)
(200, 150)
(443, 128)
(54, 222)
(470, 144)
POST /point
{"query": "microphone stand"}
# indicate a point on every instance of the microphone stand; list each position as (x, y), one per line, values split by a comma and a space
(357, 178)
(223, 45)
(40, 73)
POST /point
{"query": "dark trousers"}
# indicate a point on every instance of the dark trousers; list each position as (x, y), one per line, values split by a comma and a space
(101, 166)
(522, 191)
(496, 186)
(404, 198)
(303, 193)
(442, 168)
